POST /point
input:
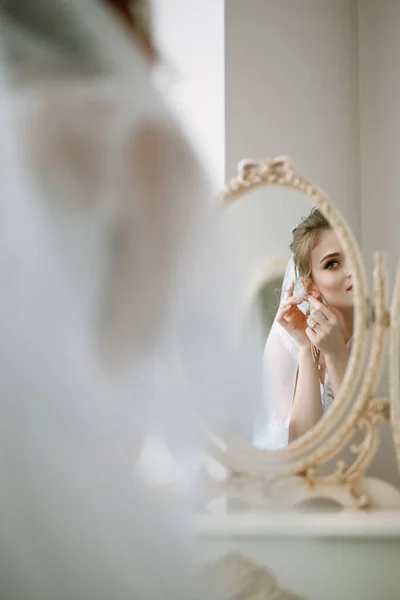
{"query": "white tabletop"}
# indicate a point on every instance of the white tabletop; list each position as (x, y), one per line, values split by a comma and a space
(354, 524)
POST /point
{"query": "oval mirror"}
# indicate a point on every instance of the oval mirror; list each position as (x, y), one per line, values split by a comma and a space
(300, 311)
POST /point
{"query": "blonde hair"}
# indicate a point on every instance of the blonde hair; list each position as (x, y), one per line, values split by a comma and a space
(304, 238)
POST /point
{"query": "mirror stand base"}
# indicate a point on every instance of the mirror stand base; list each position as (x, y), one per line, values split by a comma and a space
(347, 486)
(366, 493)
(250, 493)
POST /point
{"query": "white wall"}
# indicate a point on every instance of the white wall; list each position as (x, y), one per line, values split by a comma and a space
(190, 35)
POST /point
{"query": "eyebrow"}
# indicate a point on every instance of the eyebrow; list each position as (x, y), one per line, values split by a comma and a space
(333, 255)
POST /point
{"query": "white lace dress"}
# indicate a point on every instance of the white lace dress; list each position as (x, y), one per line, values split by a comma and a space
(275, 434)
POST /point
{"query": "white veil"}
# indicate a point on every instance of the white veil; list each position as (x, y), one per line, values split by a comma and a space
(74, 521)
(280, 363)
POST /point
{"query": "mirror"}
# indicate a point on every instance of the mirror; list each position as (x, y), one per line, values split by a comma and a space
(264, 208)
(294, 305)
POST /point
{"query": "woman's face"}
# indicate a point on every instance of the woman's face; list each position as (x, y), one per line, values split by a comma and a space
(331, 276)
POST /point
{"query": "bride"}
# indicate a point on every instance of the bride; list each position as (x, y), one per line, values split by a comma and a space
(307, 350)
(100, 195)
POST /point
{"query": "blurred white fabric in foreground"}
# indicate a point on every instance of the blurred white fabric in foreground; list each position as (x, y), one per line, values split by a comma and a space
(102, 212)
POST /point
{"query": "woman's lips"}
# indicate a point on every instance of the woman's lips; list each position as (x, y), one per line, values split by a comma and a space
(350, 288)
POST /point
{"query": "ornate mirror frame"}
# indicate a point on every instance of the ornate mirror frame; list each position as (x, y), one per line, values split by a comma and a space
(295, 469)
(394, 365)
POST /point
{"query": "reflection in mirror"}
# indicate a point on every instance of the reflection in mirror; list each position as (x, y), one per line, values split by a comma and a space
(264, 293)
(298, 299)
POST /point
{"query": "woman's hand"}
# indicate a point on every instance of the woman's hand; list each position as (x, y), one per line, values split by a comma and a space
(291, 318)
(324, 331)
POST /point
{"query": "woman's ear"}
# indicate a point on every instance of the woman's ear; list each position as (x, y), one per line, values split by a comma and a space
(310, 287)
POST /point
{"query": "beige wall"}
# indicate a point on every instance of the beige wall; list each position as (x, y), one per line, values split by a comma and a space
(380, 155)
(380, 131)
(292, 87)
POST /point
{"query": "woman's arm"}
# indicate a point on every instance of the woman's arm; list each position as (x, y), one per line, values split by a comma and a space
(336, 366)
(307, 404)
(325, 333)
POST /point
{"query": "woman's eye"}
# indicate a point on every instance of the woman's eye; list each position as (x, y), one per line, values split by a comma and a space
(332, 264)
